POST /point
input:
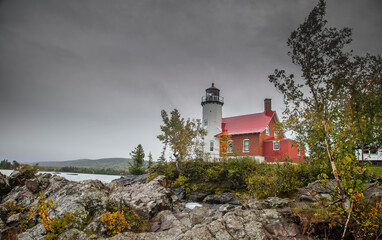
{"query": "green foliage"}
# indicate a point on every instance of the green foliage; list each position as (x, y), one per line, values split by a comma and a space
(28, 170)
(12, 208)
(150, 162)
(184, 137)
(5, 164)
(335, 107)
(242, 174)
(122, 218)
(281, 179)
(59, 225)
(53, 225)
(138, 155)
(377, 171)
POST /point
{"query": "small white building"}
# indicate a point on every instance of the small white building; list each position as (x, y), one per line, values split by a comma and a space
(374, 156)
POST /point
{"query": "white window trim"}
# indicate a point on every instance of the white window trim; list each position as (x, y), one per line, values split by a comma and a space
(244, 145)
(229, 141)
(274, 145)
(267, 130)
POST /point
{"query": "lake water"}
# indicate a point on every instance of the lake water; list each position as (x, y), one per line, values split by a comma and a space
(75, 176)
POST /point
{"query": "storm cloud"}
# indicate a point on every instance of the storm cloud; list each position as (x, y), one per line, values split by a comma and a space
(88, 79)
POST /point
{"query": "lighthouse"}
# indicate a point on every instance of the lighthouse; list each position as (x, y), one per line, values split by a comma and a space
(212, 105)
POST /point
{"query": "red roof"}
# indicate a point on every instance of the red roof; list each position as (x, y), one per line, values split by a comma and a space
(251, 123)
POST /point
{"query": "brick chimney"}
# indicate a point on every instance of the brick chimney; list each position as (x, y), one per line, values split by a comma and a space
(267, 104)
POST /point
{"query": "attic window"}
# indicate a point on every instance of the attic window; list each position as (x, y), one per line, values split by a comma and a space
(267, 130)
(276, 145)
(246, 145)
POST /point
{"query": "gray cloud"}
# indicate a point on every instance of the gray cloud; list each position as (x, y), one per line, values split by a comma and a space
(87, 79)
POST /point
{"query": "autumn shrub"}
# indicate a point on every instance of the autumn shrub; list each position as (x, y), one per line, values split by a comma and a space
(122, 217)
(241, 174)
(365, 220)
(13, 208)
(54, 226)
(280, 179)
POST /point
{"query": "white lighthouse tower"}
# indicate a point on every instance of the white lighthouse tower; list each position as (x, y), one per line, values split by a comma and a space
(212, 105)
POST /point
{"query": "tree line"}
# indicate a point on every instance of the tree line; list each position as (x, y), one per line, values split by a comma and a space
(5, 164)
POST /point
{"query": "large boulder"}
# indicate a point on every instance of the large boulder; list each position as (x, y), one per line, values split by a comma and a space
(5, 186)
(147, 199)
(128, 180)
(222, 198)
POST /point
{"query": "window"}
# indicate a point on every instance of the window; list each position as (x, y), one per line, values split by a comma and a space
(230, 146)
(298, 151)
(205, 122)
(211, 146)
(276, 145)
(246, 145)
(267, 130)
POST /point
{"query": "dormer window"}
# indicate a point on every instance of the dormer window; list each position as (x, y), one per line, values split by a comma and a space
(267, 130)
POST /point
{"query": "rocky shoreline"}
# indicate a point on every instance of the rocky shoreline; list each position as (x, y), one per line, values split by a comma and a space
(166, 215)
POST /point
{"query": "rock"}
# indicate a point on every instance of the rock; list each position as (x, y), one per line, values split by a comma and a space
(255, 204)
(254, 230)
(147, 199)
(32, 185)
(218, 229)
(72, 234)
(226, 208)
(282, 230)
(222, 198)
(19, 176)
(5, 186)
(37, 232)
(167, 221)
(201, 215)
(275, 202)
(2, 225)
(132, 179)
(197, 215)
(373, 190)
(197, 196)
(320, 187)
(14, 218)
(180, 192)
(199, 232)
(234, 225)
(184, 218)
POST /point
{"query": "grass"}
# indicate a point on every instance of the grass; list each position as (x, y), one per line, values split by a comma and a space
(377, 171)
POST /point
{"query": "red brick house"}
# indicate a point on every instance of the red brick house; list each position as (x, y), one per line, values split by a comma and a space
(251, 135)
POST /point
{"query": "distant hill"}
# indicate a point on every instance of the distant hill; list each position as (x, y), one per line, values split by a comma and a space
(104, 163)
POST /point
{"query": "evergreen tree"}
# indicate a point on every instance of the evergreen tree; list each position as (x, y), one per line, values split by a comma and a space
(150, 163)
(138, 155)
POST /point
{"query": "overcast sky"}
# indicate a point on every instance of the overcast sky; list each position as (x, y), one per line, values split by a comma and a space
(88, 78)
